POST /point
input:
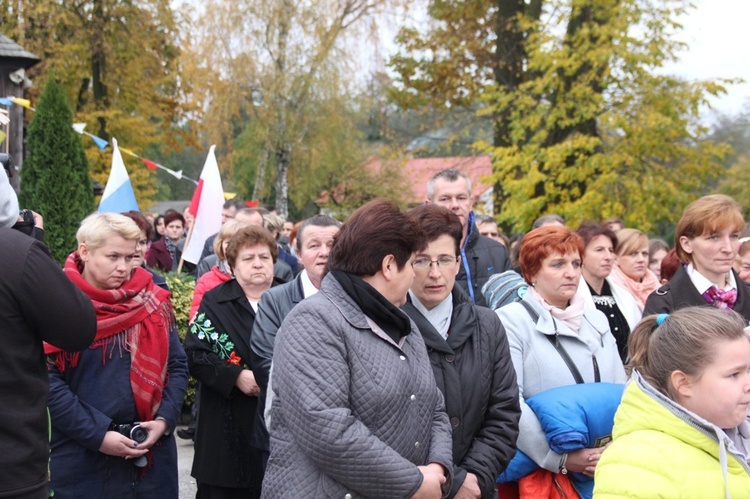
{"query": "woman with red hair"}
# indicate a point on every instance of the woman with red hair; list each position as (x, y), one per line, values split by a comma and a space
(556, 341)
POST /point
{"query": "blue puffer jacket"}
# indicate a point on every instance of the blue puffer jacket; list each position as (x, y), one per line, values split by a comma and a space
(573, 417)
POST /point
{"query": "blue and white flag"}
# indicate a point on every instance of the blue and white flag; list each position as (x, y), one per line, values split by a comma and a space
(118, 195)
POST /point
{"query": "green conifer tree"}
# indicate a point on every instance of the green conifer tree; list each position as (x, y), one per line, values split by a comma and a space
(55, 179)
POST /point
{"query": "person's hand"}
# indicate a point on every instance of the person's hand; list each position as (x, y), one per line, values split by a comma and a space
(116, 444)
(584, 460)
(433, 478)
(246, 383)
(156, 429)
(470, 488)
(38, 220)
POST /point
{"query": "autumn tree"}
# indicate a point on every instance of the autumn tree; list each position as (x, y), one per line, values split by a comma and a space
(55, 178)
(735, 174)
(584, 123)
(118, 64)
(268, 69)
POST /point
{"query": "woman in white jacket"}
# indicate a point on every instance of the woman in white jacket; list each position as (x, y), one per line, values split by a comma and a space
(599, 292)
(555, 341)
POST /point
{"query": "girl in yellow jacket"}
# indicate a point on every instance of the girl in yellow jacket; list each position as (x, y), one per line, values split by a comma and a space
(682, 429)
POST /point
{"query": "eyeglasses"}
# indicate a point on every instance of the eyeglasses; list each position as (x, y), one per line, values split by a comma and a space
(443, 262)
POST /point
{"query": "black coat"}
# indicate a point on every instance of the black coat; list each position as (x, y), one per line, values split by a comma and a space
(223, 454)
(273, 308)
(37, 303)
(484, 257)
(474, 371)
(680, 292)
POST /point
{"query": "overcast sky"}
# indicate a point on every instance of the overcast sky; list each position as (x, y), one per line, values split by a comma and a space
(719, 39)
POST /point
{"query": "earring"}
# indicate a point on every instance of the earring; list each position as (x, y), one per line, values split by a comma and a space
(533, 284)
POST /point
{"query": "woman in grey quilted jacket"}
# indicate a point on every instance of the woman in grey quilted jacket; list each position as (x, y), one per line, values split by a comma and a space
(356, 411)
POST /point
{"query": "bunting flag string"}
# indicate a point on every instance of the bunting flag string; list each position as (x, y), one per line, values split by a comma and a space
(100, 142)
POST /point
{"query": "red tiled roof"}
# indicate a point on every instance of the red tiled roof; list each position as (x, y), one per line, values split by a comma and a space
(420, 170)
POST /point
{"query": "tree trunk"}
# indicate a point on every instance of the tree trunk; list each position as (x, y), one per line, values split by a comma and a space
(99, 65)
(510, 69)
(282, 185)
(283, 148)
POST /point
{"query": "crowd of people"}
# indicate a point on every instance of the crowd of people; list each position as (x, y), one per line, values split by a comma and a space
(397, 354)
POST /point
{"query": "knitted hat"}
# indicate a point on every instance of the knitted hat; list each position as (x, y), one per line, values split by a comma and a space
(504, 288)
(8, 202)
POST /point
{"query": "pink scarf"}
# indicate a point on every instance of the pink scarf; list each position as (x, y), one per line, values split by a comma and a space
(640, 290)
(571, 316)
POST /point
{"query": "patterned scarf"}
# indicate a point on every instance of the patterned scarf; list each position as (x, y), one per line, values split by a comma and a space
(137, 317)
(720, 298)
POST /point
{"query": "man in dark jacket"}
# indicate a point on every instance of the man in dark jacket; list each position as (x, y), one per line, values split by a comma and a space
(37, 303)
(470, 358)
(314, 241)
(480, 256)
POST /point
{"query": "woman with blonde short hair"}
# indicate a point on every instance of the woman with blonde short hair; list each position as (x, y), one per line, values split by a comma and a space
(113, 406)
(631, 270)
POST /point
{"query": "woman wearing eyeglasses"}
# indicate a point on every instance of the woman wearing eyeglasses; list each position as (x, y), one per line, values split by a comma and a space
(548, 325)
(356, 411)
(469, 353)
(707, 239)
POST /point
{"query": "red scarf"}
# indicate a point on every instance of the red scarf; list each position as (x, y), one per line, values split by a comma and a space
(137, 316)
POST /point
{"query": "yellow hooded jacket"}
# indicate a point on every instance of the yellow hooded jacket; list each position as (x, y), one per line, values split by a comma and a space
(661, 450)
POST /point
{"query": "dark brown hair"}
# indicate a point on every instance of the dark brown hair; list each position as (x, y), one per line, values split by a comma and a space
(171, 216)
(250, 235)
(591, 230)
(142, 223)
(437, 221)
(371, 233)
(543, 242)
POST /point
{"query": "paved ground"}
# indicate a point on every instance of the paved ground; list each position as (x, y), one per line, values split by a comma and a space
(184, 463)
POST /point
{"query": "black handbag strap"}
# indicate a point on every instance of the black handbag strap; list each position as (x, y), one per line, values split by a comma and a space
(561, 350)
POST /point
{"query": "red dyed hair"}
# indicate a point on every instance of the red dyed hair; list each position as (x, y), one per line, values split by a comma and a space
(545, 241)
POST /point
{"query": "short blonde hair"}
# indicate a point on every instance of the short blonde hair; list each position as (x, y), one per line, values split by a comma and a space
(229, 229)
(704, 216)
(97, 228)
(630, 240)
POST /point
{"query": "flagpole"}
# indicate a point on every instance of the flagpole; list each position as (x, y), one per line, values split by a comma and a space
(187, 240)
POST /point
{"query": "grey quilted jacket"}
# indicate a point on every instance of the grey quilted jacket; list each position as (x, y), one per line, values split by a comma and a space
(354, 414)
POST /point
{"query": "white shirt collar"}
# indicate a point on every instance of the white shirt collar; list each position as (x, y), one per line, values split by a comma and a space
(439, 316)
(308, 288)
(702, 284)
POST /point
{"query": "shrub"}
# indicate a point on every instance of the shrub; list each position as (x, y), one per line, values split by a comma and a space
(182, 287)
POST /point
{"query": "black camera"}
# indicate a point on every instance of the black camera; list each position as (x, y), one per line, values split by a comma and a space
(137, 433)
(132, 430)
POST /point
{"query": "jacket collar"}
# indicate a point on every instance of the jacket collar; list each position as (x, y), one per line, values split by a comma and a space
(473, 232)
(233, 292)
(351, 312)
(464, 322)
